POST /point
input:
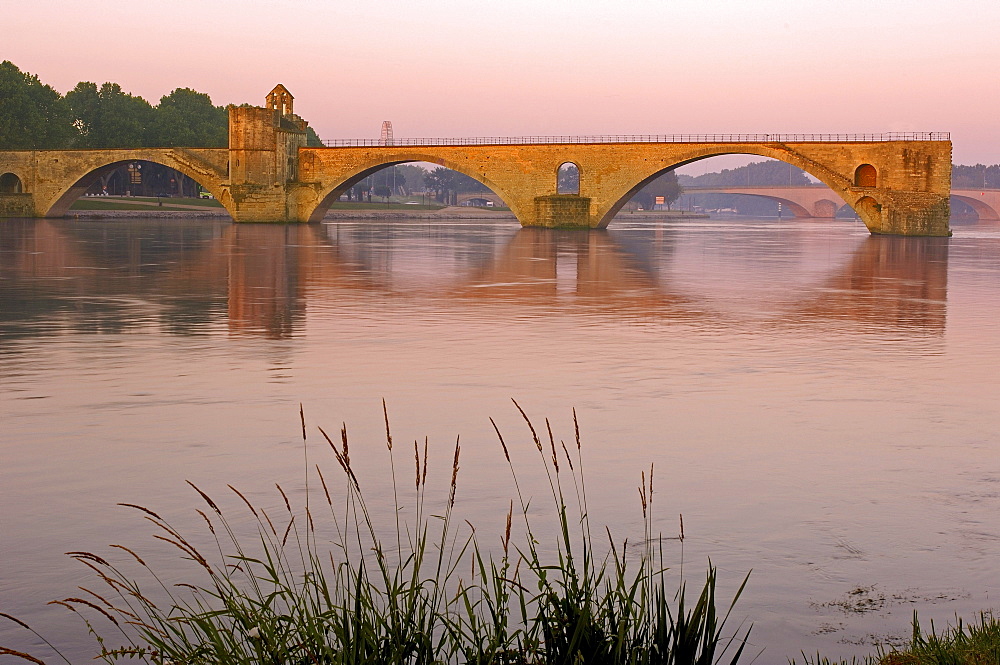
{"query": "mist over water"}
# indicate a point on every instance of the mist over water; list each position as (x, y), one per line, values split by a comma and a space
(817, 402)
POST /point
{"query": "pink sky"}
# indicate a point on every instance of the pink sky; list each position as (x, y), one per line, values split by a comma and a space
(527, 67)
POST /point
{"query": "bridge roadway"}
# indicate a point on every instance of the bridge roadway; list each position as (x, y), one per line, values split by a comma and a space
(821, 201)
(897, 183)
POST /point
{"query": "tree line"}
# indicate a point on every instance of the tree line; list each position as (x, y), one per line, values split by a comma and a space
(978, 176)
(443, 184)
(781, 174)
(34, 116)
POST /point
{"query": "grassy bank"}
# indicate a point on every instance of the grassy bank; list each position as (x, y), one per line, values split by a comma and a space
(976, 643)
(176, 204)
(181, 204)
(392, 205)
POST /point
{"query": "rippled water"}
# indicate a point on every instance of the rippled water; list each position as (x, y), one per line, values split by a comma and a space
(819, 404)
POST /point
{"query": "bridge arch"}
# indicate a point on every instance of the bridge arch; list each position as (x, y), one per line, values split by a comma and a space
(982, 209)
(316, 206)
(842, 184)
(826, 208)
(10, 183)
(85, 172)
(480, 199)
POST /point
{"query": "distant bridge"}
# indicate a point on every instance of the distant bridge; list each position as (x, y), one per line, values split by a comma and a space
(801, 201)
(821, 201)
(897, 183)
(479, 198)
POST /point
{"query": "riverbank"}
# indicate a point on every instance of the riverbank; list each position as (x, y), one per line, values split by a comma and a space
(112, 207)
(452, 212)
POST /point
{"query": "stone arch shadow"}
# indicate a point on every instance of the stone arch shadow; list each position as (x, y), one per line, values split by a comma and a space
(835, 181)
(91, 173)
(331, 193)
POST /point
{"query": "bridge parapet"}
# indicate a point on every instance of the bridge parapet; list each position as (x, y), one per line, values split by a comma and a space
(647, 138)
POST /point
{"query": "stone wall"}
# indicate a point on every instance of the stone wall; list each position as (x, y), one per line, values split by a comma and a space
(562, 211)
(17, 205)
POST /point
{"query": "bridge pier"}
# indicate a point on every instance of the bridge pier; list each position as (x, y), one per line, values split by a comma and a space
(564, 211)
(264, 147)
(888, 212)
(17, 205)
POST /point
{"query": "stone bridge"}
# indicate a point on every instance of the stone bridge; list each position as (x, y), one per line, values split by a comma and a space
(821, 201)
(897, 183)
(478, 197)
(801, 201)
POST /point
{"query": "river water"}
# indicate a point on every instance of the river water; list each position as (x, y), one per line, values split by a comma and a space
(818, 403)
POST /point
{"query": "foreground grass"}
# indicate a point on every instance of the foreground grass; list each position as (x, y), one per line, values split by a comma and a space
(962, 644)
(324, 582)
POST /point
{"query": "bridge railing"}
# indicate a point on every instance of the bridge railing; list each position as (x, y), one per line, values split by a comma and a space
(648, 138)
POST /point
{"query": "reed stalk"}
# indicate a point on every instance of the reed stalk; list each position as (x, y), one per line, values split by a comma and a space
(303, 588)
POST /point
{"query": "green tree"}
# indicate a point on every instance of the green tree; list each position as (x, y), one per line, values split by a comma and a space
(186, 118)
(414, 176)
(312, 138)
(441, 182)
(665, 185)
(361, 190)
(446, 183)
(391, 178)
(110, 118)
(467, 184)
(772, 172)
(32, 115)
(979, 176)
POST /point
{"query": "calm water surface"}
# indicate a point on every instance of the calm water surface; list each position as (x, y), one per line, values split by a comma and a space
(820, 404)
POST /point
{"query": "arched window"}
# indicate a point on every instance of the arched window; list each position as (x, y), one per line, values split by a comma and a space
(568, 179)
(866, 176)
(10, 184)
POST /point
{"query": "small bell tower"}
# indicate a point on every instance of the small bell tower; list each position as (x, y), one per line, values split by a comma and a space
(280, 100)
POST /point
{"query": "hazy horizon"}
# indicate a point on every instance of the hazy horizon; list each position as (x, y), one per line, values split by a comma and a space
(450, 68)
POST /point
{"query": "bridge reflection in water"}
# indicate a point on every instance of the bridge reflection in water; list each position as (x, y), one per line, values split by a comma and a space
(263, 280)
